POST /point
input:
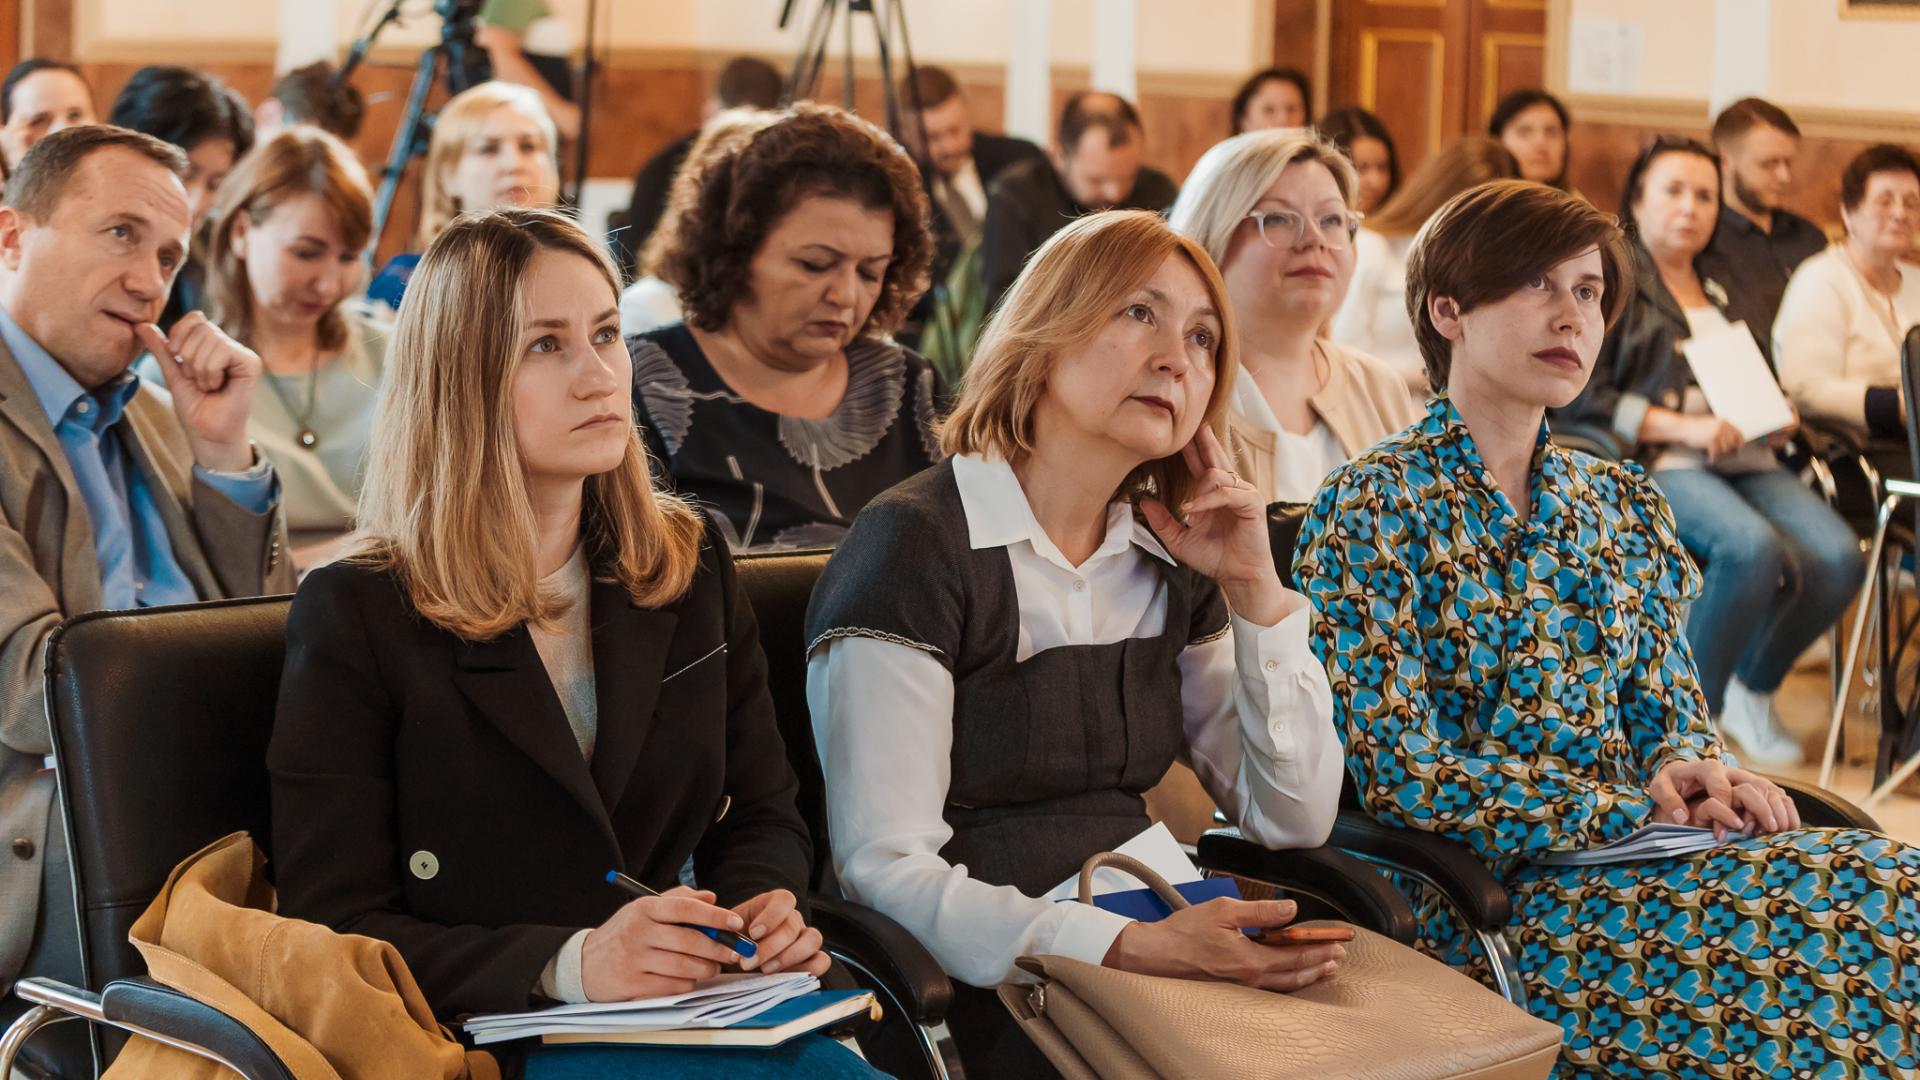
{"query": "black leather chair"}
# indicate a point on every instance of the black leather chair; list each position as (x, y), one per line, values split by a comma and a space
(1448, 867)
(160, 726)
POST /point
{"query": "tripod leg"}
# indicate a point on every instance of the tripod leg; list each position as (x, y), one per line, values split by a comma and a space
(406, 140)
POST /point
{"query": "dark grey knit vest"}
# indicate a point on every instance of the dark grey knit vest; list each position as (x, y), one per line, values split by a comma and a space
(1050, 754)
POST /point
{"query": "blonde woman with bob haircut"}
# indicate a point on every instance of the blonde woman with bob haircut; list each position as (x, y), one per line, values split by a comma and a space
(493, 147)
(531, 668)
(1275, 210)
(1051, 637)
(286, 236)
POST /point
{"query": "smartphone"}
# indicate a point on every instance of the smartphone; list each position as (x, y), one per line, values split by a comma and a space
(1305, 935)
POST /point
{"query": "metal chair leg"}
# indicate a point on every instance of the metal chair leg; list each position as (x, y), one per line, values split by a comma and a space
(1893, 781)
(24, 1028)
(1865, 602)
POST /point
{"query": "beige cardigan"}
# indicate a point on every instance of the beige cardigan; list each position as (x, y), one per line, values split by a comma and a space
(1362, 402)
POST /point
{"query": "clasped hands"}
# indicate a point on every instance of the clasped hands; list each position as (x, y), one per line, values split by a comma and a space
(649, 949)
(1710, 794)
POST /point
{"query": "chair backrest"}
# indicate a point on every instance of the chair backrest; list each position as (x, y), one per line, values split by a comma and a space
(778, 585)
(160, 726)
(1284, 520)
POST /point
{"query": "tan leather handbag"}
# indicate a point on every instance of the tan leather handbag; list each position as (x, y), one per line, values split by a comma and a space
(1388, 1013)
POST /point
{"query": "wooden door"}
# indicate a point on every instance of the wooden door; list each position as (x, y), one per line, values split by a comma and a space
(1433, 69)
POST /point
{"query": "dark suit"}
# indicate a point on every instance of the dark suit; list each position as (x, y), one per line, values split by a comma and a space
(428, 791)
(1029, 203)
(992, 155)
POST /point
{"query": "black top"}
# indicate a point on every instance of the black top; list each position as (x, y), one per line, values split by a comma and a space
(1754, 265)
(1029, 203)
(993, 155)
(650, 188)
(783, 482)
(428, 790)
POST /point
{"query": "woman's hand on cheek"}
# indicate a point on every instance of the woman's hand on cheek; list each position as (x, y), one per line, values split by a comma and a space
(1224, 534)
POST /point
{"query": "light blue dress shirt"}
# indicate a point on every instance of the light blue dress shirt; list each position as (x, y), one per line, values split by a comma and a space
(137, 564)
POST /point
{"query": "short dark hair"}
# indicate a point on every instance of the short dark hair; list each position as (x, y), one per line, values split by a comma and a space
(1746, 114)
(1353, 122)
(1880, 157)
(928, 87)
(183, 107)
(811, 149)
(31, 66)
(1659, 147)
(1520, 101)
(1258, 79)
(1491, 240)
(749, 82)
(310, 95)
(1091, 109)
(44, 173)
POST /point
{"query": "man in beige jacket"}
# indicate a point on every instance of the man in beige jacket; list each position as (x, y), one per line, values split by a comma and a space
(113, 495)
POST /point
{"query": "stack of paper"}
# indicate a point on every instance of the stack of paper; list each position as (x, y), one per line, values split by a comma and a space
(714, 1003)
(1656, 841)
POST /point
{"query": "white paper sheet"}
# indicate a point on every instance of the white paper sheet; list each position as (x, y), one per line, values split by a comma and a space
(1156, 847)
(1660, 840)
(1740, 388)
(717, 1002)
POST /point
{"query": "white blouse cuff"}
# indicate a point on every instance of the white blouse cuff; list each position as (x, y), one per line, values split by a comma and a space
(1087, 932)
(561, 979)
(1271, 662)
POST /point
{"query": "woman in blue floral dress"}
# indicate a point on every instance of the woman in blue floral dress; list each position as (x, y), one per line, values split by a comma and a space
(1502, 624)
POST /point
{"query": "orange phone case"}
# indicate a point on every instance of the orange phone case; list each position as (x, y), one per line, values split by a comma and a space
(1306, 935)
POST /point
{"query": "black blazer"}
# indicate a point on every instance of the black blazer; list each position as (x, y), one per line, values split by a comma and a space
(428, 791)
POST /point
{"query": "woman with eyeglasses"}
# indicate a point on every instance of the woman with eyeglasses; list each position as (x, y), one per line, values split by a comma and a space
(1275, 211)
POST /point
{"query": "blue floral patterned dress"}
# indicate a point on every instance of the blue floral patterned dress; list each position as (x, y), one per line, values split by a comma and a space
(1513, 686)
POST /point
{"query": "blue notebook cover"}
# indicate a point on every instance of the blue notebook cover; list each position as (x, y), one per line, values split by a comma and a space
(795, 1008)
(1141, 905)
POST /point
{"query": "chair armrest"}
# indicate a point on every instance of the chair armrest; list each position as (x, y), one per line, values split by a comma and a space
(887, 953)
(1361, 894)
(1822, 809)
(1829, 442)
(1459, 875)
(141, 1006)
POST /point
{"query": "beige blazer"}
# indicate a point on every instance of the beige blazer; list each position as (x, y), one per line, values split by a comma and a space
(48, 571)
(330, 1005)
(1363, 402)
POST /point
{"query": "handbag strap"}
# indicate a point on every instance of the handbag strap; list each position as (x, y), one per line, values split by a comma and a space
(1127, 864)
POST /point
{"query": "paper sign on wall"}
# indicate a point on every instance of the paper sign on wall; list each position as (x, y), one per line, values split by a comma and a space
(1604, 56)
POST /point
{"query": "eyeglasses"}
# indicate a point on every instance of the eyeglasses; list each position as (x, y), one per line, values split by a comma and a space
(1286, 228)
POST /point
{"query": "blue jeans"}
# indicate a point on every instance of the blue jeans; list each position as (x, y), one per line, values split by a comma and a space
(809, 1057)
(1780, 568)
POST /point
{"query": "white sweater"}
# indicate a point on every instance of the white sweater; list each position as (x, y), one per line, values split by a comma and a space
(1836, 337)
(1373, 318)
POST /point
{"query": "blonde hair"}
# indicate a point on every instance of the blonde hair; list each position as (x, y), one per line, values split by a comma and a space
(1069, 291)
(297, 161)
(445, 504)
(1235, 173)
(459, 119)
(722, 135)
(1472, 161)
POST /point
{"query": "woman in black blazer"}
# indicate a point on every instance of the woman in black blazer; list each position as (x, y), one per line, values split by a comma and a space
(533, 669)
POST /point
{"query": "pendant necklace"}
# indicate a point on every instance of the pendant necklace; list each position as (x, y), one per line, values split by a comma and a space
(302, 418)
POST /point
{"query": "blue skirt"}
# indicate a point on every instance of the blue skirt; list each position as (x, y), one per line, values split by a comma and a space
(809, 1057)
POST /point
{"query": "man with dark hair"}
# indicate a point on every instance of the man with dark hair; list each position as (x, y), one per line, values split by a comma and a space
(114, 494)
(1094, 165)
(309, 95)
(745, 83)
(203, 116)
(37, 98)
(1758, 242)
(957, 163)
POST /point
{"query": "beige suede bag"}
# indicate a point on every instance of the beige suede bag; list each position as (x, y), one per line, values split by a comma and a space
(1388, 1013)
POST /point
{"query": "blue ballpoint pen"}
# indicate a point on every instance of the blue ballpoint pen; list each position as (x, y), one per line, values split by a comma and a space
(731, 940)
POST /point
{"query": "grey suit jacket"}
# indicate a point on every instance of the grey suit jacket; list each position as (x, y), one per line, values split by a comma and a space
(48, 571)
